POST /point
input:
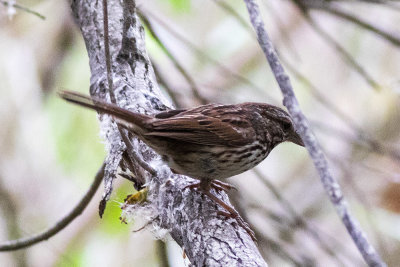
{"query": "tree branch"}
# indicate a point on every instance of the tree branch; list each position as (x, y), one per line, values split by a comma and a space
(189, 79)
(338, 12)
(23, 8)
(329, 182)
(77, 210)
(203, 56)
(190, 217)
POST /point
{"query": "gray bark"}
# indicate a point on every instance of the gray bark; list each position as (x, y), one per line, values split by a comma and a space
(190, 217)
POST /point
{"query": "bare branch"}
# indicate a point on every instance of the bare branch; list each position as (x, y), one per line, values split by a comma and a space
(230, 10)
(75, 212)
(290, 101)
(23, 8)
(178, 66)
(299, 220)
(203, 55)
(363, 138)
(161, 80)
(336, 11)
(338, 47)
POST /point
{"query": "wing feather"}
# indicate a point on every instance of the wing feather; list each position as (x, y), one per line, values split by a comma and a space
(208, 125)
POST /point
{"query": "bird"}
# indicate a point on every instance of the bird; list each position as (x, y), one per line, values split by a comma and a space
(210, 142)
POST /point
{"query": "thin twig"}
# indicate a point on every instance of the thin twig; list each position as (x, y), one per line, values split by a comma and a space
(205, 56)
(290, 101)
(366, 140)
(362, 137)
(339, 48)
(349, 58)
(133, 155)
(267, 242)
(161, 80)
(298, 219)
(107, 53)
(230, 10)
(363, 200)
(391, 4)
(282, 30)
(281, 250)
(359, 138)
(27, 10)
(61, 224)
(336, 11)
(189, 79)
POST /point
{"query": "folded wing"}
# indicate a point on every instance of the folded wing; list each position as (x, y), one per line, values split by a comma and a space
(207, 125)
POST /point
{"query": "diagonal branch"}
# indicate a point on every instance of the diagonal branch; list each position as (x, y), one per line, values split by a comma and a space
(363, 138)
(189, 79)
(23, 8)
(338, 47)
(338, 12)
(349, 59)
(203, 56)
(75, 212)
(290, 101)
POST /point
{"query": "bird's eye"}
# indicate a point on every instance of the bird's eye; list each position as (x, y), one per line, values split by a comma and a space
(286, 126)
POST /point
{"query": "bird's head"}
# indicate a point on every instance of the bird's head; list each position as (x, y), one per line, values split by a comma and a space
(280, 123)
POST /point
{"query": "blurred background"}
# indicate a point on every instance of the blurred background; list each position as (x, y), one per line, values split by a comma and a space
(344, 62)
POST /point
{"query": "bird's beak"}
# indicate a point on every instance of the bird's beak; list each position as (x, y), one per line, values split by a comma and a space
(295, 138)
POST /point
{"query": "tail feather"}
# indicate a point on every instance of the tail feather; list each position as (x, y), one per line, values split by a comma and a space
(121, 115)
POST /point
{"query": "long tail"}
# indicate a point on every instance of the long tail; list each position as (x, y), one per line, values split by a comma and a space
(128, 119)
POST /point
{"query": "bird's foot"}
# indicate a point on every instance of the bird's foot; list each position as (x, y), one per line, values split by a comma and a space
(222, 186)
(216, 184)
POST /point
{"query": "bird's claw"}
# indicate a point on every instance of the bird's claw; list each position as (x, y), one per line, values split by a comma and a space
(215, 184)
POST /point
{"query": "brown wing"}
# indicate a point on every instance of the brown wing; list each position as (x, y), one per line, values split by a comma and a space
(208, 125)
(168, 113)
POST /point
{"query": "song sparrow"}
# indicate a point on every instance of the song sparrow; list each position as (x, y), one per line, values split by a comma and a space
(207, 142)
